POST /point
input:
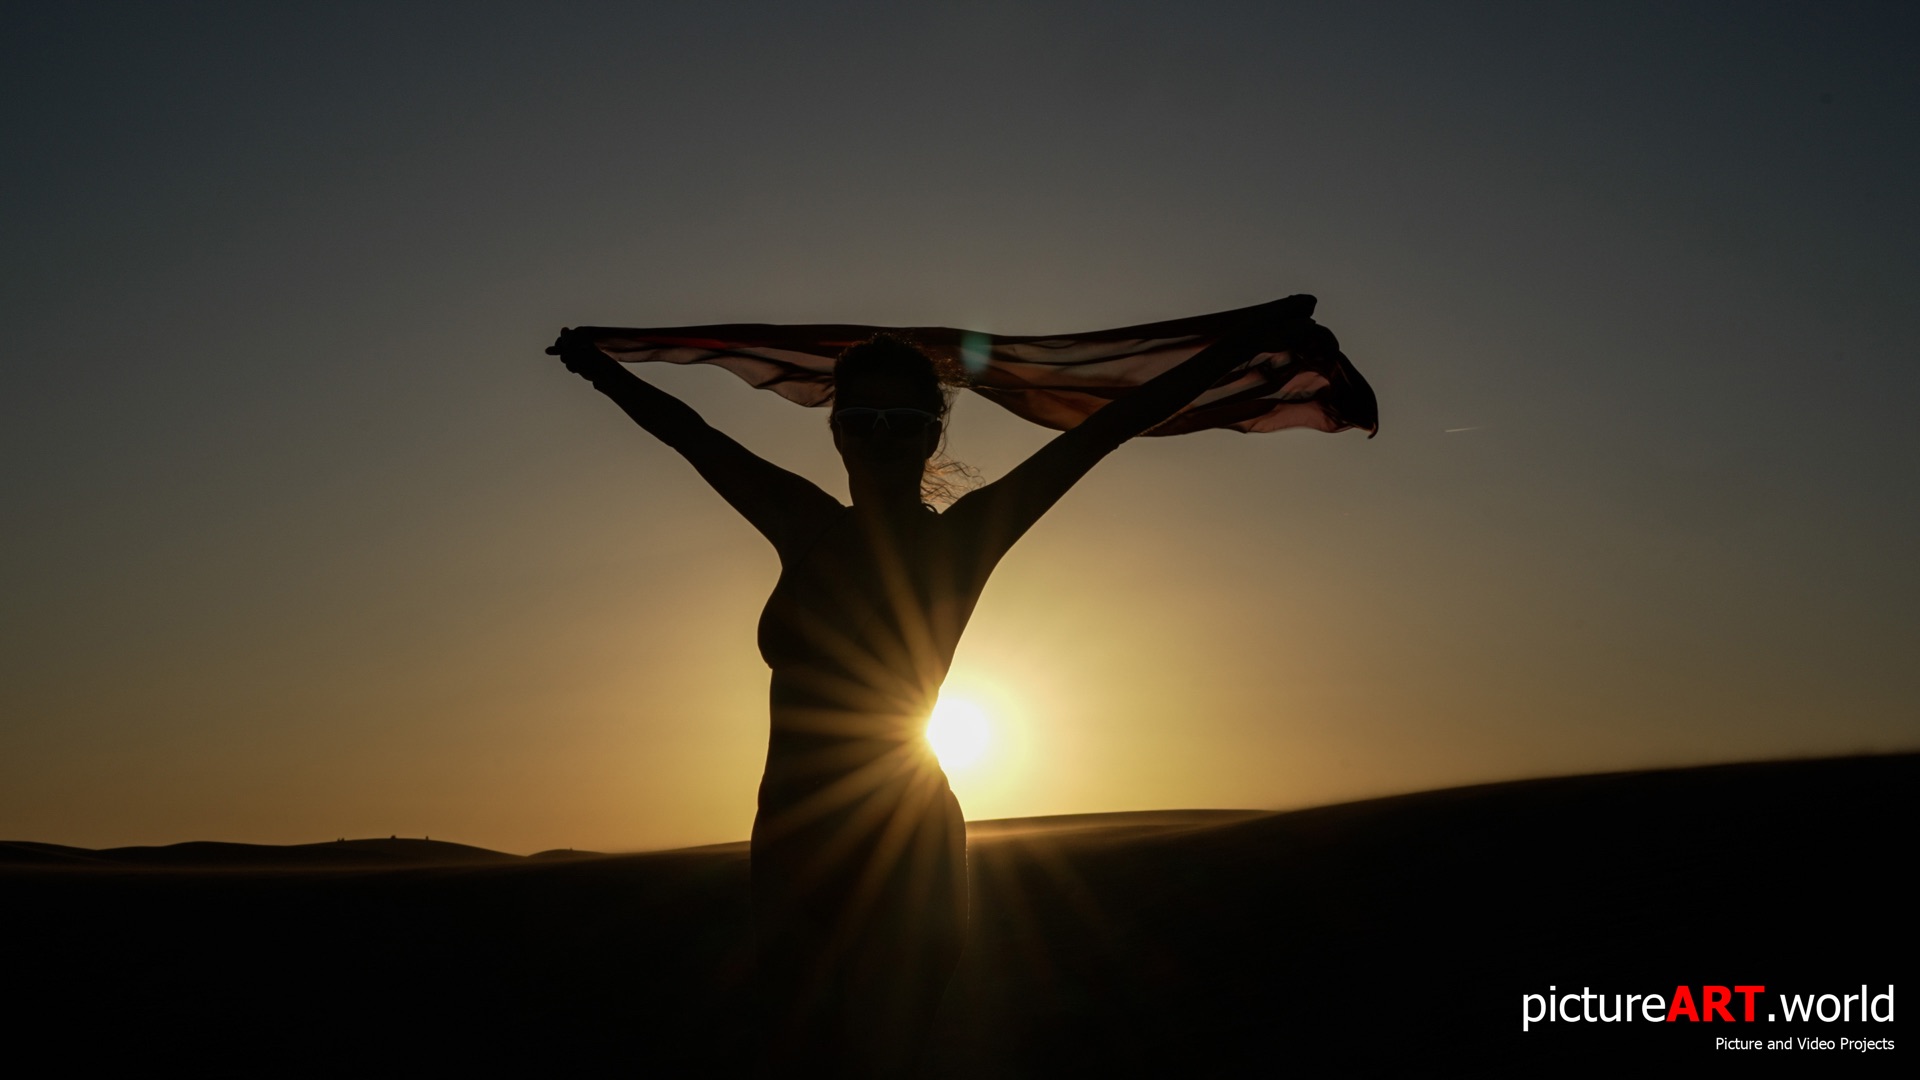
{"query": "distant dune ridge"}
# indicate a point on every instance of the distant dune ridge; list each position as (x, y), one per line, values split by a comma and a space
(1385, 932)
(394, 852)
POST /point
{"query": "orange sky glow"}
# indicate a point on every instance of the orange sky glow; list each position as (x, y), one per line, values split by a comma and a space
(307, 539)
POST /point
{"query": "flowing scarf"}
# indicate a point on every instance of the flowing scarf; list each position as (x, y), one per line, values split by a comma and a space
(1054, 380)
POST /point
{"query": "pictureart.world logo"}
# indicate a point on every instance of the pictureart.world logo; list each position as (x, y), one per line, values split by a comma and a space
(1709, 1003)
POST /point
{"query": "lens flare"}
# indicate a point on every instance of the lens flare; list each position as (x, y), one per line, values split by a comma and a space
(959, 732)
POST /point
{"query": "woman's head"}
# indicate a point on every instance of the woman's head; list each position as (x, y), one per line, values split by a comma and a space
(891, 368)
(890, 404)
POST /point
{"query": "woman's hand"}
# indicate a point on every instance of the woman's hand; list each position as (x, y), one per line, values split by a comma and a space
(1280, 333)
(582, 357)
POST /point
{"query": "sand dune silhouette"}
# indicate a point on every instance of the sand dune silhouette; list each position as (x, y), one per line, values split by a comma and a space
(1383, 932)
(207, 854)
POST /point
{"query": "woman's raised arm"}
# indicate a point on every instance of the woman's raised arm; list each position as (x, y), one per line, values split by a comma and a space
(785, 507)
(1005, 509)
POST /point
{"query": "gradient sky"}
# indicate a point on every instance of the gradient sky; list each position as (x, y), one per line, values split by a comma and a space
(305, 538)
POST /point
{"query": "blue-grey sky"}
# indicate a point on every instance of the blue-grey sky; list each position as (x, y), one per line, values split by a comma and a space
(305, 537)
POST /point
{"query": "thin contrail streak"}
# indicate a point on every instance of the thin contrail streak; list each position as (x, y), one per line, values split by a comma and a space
(1451, 430)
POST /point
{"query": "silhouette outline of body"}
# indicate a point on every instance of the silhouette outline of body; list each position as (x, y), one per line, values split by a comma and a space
(858, 855)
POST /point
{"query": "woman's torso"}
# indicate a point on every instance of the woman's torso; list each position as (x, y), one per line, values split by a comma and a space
(860, 631)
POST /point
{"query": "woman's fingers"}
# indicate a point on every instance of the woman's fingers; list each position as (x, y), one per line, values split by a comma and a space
(572, 341)
(1294, 335)
(578, 352)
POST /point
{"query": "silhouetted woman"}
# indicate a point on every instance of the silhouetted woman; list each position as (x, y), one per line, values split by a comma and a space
(859, 849)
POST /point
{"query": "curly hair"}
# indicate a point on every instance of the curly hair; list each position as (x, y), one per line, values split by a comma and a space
(935, 379)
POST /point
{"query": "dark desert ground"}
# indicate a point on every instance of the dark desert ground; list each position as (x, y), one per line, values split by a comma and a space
(1207, 942)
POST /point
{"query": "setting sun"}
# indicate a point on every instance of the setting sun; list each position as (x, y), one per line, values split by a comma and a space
(959, 732)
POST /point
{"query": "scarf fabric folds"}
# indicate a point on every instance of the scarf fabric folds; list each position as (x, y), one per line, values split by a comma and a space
(1054, 380)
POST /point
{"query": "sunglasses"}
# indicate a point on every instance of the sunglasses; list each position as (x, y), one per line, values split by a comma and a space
(862, 422)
